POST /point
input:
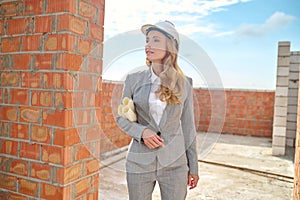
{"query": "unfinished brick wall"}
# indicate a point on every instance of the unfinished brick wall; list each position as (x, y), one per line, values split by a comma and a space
(111, 136)
(248, 112)
(50, 98)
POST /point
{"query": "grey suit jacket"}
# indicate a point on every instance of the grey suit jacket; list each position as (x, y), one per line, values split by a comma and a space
(176, 126)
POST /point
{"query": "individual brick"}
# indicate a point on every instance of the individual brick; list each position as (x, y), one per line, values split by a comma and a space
(54, 6)
(58, 118)
(82, 117)
(16, 26)
(1, 26)
(58, 42)
(43, 61)
(34, 7)
(68, 174)
(58, 80)
(31, 43)
(41, 98)
(96, 31)
(49, 191)
(66, 137)
(28, 187)
(40, 171)
(19, 96)
(71, 23)
(11, 44)
(9, 147)
(44, 24)
(68, 61)
(87, 10)
(9, 113)
(19, 167)
(94, 65)
(12, 8)
(41, 134)
(85, 46)
(82, 186)
(29, 114)
(31, 80)
(92, 166)
(10, 79)
(64, 100)
(20, 131)
(5, 129)
(21, 61)
(81, 152)
(57, 155)
(8, 182)
(30, 151)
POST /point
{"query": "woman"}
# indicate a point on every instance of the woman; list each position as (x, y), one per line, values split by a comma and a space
(163, 146)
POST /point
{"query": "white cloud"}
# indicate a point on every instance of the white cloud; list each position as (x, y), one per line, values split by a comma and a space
(221, 34)
(193, 28)
(277, 21)
(122, 16)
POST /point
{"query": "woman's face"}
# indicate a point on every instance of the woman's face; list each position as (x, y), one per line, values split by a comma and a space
(156, 43)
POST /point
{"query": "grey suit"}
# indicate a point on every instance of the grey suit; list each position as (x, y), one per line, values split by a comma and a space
(177, 130)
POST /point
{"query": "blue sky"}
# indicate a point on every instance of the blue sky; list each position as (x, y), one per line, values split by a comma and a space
(240, 36)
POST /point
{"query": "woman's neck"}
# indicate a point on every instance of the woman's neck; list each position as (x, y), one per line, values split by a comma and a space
(157, 68)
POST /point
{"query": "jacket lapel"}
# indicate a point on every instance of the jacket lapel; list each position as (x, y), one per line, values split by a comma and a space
(164, 117)
(144, 100)
(143, 91)
(146, 90)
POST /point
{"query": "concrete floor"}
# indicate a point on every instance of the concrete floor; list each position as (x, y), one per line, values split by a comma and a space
(231, 168)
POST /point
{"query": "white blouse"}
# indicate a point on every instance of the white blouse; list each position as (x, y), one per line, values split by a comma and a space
(156, 106)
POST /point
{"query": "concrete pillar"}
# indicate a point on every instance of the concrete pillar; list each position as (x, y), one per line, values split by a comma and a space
(48, 94)
(281, 99)
(296, 192)
(292, 99)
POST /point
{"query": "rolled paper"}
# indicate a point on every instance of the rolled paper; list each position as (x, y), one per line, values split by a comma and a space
(125, 109)
(125, 101)
(120, 111)
(131, 104)
(129, 114)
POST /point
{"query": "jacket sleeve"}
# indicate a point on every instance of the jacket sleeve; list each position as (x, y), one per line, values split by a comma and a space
(134, 129)
(189, 130)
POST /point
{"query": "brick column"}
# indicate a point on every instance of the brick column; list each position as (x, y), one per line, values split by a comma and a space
(51, 64)
(281, 99)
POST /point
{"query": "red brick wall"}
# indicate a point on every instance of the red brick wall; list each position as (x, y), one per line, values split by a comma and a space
(247, 112)
(50, 66)
(111, 136)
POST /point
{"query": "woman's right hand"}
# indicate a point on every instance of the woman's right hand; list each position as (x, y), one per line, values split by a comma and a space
(151, 139)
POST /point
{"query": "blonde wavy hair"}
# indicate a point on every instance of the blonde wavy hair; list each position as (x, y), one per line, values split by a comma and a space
(172, 77)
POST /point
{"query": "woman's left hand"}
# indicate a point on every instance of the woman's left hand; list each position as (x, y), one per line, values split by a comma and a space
(193, 180)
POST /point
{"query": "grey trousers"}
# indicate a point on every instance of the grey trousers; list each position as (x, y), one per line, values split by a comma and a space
(172, 183)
